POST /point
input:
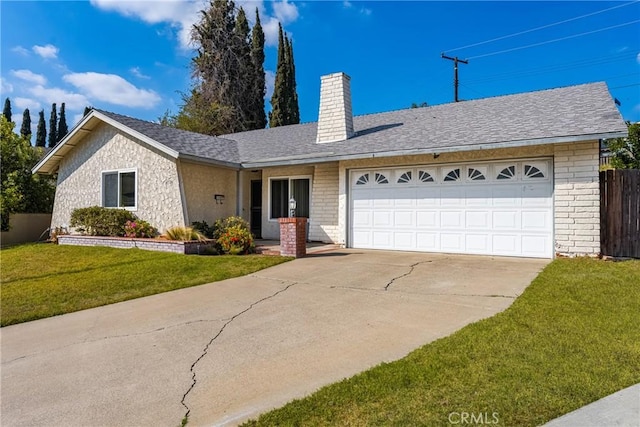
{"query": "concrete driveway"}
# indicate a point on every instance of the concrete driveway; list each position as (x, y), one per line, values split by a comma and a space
(230, 350)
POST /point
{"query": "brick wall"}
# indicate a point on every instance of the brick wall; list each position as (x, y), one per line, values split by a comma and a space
(324, 204)
(577, 198)
(129, 243)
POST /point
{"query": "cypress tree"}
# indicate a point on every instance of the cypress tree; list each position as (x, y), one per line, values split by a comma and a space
(259, 87)
(277, 116)
(284, 102)
(243, 79)
(53, 126)
(7, 109)
(41, 132)
(292, 101)
(25, 130)
(62, 124)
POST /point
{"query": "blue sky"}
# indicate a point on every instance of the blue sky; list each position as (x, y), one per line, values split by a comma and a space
(132, 57)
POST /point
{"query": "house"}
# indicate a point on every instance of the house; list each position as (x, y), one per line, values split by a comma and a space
(512, 175)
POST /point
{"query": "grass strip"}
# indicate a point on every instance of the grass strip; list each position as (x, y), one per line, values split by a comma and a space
(43, 280)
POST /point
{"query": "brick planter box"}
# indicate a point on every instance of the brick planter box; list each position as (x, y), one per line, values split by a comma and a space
(179, 247)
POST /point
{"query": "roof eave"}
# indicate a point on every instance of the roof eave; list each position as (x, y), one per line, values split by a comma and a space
(52, 159)
(307, 159)
(208, 161)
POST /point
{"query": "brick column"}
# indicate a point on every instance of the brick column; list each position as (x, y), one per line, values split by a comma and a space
(293, 237)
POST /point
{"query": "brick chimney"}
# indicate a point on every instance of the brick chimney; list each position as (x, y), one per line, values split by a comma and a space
(335, 121)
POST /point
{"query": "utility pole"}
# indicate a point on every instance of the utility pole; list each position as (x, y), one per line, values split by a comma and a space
(455, 73)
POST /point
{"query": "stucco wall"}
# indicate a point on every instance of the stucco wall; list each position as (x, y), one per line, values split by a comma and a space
(105, 148)
(201, 183)
(577, 198)
(270, 227)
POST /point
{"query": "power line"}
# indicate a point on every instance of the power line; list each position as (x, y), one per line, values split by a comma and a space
(553, 68)
(555, 40)
(542, 27)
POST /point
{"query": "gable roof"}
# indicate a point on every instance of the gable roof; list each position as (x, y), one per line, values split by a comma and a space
(574, 113)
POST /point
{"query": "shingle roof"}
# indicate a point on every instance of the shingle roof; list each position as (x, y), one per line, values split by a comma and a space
(576, 112)
(184, 142)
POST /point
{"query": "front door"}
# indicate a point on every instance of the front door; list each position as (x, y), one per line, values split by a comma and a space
(256, 208)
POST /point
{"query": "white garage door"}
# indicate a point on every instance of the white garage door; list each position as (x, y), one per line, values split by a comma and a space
(500, 208)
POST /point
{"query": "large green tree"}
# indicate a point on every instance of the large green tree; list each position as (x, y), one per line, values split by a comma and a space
(284, 102)
(53, 126)
(25, 129)
(6, 112)
(20, 191)
(626, 151)
(41, 131)
(63, 129)
(222, 97)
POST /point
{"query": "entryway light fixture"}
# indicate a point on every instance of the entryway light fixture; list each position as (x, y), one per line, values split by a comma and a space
(292, 207)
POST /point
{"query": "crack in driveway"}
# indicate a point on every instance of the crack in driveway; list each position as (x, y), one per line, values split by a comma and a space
(206, 348)
(411, 268)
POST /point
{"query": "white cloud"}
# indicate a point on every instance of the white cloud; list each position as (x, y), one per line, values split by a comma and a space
(73, 101)
(33, 105)
(270, 29)
(113, 89)
(179, 14)
(346, 4)
(5, 86)
(136, 72)
(29, 76)
(638, 58)
(20, 50)
(285, 12)
(48, 51)
(183, 14)
(270, 80)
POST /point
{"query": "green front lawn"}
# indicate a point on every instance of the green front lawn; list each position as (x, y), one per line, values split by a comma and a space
(43, 280)
(573, 337)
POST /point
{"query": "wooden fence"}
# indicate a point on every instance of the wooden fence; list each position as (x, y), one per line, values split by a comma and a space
(620, 213)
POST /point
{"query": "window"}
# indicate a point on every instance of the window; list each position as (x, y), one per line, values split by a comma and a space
(282, 190)
(453, 175)
(475, 174)
(119, 189)
(507, 173)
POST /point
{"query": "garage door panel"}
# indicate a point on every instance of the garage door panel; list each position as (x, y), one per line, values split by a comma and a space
(452, 242)
(404, 218)
(382, 219)
(362, 219)
(536, 220)
(427, 241)
(451, 219)
(477, 220)
(507, 212)
(404, 240)
(427, 219)
(477, 243)
(535, 245)
(382, 239)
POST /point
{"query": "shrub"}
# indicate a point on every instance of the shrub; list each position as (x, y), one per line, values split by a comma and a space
(236, 240)
(183, 233)
(98, 221)
(222, 225)
(203, 228)
(139, 228)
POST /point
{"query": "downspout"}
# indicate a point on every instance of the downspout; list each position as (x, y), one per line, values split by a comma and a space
(185, 211)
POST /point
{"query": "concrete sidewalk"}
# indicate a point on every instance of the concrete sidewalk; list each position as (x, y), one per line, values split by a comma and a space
(230, 350)
(621, 409)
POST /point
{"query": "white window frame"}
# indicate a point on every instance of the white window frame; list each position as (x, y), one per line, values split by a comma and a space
(290, 178)
(119, 172)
